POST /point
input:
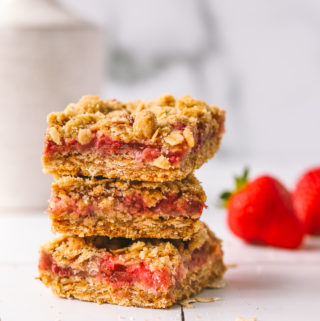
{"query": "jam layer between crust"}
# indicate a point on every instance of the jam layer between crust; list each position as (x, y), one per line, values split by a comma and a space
(132, 204)
(142, 153)
(112, 270)
(105, 146)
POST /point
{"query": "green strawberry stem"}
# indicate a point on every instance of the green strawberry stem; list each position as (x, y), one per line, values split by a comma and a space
(240, 183)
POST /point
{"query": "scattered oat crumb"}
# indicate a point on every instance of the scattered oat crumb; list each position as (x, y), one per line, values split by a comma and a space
(197, 316)
(242, 319)
(187, 303)
(206, 299)
(121, 317)
(231, 266)
(217, 284)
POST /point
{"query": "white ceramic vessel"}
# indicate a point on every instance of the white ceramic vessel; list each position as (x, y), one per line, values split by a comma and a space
(48, 58)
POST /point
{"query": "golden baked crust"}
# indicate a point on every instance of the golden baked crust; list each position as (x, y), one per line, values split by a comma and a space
(122, 225)
(151, 191)
(181, 134)
(177, 259)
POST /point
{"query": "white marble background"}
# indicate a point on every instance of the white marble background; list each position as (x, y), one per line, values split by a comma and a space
(260, 60)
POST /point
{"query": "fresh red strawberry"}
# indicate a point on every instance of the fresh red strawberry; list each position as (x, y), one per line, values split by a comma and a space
(261, 211)
(306, 201)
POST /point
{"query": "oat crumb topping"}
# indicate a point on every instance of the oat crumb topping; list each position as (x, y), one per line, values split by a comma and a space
(187, 303)
(55, 135)
(166, 120)
(162, 162)
(175, 138)
(84, 136)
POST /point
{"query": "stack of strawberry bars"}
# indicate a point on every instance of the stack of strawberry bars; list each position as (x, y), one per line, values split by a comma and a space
(127, 203)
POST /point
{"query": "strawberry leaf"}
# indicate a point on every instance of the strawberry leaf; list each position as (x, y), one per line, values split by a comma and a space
(225, 195)
(240, 182)
(223, 199)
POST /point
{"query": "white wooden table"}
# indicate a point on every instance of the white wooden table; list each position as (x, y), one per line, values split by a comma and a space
(269, 284)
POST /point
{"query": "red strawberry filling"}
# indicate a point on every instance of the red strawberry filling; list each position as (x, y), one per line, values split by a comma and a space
(170, 204)
(112, 270)
(46, 263)
(132, 204)
(199, 256)
(105, 146)
(118, 274)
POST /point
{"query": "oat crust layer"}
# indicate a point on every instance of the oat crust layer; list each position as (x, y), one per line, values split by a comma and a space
(159, 227)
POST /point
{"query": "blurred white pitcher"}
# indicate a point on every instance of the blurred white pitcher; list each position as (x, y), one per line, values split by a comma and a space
(48, 58)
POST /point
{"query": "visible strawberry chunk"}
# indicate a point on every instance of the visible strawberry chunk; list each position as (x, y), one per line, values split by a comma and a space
(119, 274)
(148, 154)
(45, 262)
(135, 201)
(59, 270)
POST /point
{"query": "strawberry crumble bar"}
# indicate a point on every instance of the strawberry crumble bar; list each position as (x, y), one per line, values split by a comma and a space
(160, 140)
(132, 209)
(145, 273)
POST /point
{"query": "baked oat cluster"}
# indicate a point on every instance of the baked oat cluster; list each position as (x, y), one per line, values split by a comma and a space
(127, 203)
